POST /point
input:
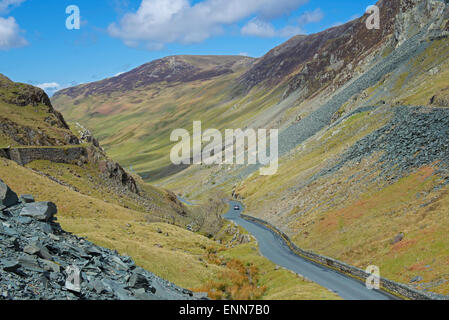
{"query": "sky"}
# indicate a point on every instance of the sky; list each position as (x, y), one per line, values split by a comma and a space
(115, 36)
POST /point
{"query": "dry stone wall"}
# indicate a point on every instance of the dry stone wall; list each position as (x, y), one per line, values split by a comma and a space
(398, 289)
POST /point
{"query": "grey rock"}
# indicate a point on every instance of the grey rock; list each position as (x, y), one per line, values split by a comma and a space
(8, 197)
(9, 232)
(72, 287)
(119, 263)
(98, 286)
(416, 279)
(42, 211)
(138, 281)
(45, 282)
(398, 238)
(53, 237)
(31, 249)
(27, 198)
(141, 294)
(12, 243)
(123, 294)
(25, 244)
(201, 295)
(28, 261)
(116, 288)
(24, 220)
(9, 265)
(50, 266)
(36, 248)
(93, 251)
(46, 228)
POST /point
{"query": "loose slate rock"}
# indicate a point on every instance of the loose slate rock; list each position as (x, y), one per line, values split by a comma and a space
(27, 198)
(10, 266)
(37, 249)
(46, 228)
(32, 249)
(50, 266)
(138, 281)
(8, 197)
(9, 232)
(141, 294)
(98, 286)
(42, 211)
(37, 259)
(93, 251)
(24, 220)
(416, 279)
(119, 263)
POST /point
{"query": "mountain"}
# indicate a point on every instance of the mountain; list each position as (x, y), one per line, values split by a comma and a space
(311, 63)
(168, 70)
(363, 125)
(134, 113)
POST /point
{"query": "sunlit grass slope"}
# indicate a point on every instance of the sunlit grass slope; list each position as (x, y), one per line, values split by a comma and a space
(173, 253)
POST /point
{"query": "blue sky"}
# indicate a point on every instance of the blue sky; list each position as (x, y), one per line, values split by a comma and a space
(118, 35)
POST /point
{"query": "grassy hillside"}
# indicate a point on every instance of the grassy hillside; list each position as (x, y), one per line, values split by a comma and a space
(156, 246)
(373, 177)
(370, 187)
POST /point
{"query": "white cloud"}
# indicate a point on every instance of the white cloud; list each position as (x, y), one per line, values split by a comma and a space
(158, 22)
(310, 17)
(10, 34)
(50, 87)
(258, 28)
(290, 31)
(6, 5)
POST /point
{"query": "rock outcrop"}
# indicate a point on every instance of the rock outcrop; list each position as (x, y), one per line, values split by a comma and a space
(110, 170)
(40, 261)
(7, 196)
(416, 15)
(115, 172)
(52, 129)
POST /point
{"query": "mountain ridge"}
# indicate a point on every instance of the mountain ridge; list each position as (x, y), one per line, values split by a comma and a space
(171, 69)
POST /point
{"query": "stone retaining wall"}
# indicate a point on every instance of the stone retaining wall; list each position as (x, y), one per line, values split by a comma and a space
(23, 156)
(74, 155)
(397, 289)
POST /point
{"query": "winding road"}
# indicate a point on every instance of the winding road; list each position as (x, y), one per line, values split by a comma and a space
(274, 248)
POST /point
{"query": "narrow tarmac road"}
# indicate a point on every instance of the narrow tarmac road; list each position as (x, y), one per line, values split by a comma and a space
(274, 248)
